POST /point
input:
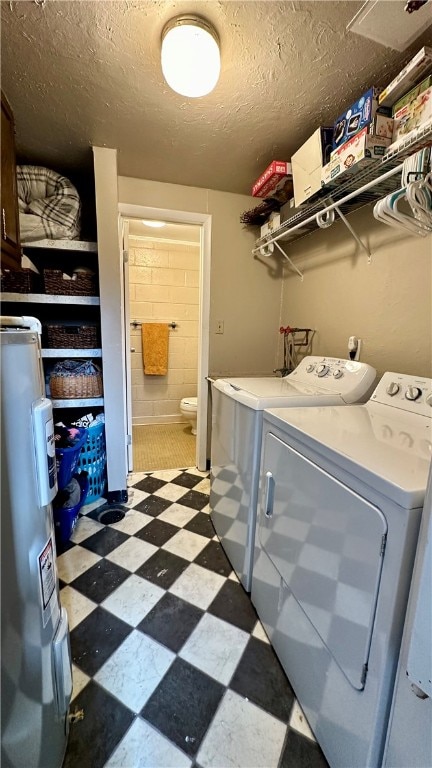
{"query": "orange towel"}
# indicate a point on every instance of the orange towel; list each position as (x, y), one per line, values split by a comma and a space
(155, 348)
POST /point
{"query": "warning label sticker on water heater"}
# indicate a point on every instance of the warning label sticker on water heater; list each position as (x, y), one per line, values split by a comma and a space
(47, 575)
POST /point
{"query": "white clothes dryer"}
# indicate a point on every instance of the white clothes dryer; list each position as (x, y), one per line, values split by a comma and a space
(409, 736)
(237, 407)
(342, 498)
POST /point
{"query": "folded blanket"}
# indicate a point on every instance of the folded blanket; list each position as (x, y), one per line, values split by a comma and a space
(155, 348)
(49, 205)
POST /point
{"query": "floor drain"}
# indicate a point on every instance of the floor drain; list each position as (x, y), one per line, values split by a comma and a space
(113, 515)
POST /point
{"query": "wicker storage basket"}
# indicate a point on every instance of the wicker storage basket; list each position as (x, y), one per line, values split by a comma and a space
(71, 336)
(75, 379)
(83, 285)
(23, 281)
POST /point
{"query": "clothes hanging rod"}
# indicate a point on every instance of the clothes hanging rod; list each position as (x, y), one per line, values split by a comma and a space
(327, 208)
(136, 323)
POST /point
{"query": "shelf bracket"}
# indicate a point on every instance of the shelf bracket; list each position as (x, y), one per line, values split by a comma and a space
(352, 231)
(289, 260)
(355, 235)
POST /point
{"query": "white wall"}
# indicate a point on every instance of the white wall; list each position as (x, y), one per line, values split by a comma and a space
(386, 303)
(112, 317)
(244, 293)
(164, 286)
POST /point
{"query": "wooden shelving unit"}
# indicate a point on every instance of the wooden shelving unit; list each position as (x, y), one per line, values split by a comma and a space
(91, 402)
(63, 245)
(55, 353)
(47, 298)
(48, 306)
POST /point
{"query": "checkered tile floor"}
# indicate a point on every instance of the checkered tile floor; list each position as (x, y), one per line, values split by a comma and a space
(171, 666)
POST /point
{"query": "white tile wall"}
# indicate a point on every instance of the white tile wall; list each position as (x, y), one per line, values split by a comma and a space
(164, 286)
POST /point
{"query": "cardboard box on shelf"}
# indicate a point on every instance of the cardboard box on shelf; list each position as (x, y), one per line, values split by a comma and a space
(271, 224)
(412, 114)
(307, 164)
(361, 114)
(361, 150)
(274, 220)
(275, 179)
(407, 98)
(288, 210)
(415, 70)
(382, 126)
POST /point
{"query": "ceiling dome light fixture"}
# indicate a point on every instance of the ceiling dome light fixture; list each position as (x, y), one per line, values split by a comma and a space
(155, 224)
(190, 55)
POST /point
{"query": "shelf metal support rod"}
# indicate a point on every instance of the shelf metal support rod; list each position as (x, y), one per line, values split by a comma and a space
(310, 219)
(355, 235)
(289, 260)
(353, 232)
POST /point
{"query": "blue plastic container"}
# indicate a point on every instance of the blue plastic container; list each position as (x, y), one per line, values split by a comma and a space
(67, 460)
(66, 519)
(92, 459)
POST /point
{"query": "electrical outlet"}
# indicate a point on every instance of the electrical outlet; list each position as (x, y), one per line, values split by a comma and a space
(354, 347)
(219, 326)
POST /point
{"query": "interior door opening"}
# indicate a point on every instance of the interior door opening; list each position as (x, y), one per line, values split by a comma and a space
(163, 265)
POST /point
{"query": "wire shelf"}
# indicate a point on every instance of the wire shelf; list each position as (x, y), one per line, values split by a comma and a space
(291, 229)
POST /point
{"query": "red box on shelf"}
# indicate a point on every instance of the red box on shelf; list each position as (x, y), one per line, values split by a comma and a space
(273, 179)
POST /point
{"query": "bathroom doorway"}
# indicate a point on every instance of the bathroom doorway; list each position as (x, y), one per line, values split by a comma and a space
(164, 285)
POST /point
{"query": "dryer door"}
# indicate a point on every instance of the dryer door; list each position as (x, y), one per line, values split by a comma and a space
(327, 543)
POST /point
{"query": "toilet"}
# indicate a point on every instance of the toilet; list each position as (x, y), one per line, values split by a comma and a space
(188, 408)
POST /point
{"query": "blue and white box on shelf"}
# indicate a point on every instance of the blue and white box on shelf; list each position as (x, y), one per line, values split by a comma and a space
(364, 113)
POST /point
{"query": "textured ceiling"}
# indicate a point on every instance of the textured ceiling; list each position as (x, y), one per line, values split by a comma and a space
(80, 73)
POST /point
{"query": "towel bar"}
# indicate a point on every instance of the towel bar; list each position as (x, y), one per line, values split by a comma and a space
(135, 324)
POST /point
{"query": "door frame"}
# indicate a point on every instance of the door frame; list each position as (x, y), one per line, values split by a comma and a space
(128, 211)
(124, 231)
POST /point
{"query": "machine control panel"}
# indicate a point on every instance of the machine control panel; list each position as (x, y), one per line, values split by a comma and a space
(350, 379)
(393, 388)
(409, 393)
(328, 367)
(413, 393)
(322, 370)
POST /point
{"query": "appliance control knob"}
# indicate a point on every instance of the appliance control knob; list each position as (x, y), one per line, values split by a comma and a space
(392, 389)
(338, 373)
(429, 399)
(322, 370)
(406, 440)
(413, 393)
(310, 368)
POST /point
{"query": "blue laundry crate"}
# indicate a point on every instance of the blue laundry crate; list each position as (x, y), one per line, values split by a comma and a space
(67, 460)
(92, 460)
(66, 519)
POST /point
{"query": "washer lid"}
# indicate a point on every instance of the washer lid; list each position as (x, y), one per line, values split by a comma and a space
(24, 322)
(388, 449)
(271, 392)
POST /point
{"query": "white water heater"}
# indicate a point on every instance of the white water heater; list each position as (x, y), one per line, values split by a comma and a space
(36, 680)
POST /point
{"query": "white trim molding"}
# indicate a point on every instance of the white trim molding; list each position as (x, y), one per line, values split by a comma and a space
(204, 220)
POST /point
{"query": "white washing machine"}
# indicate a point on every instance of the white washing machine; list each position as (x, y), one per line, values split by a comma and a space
(237, 407)
(342, 497)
